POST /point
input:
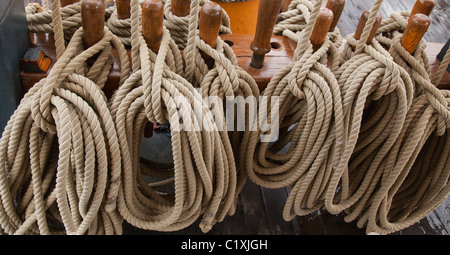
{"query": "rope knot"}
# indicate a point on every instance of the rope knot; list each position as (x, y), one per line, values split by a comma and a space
(223, 62)
(156, 69)
(72, 62)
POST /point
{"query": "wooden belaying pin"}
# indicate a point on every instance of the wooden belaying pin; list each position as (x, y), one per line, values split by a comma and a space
(285, 5)
(93, 21)
(67, 2)
(152, 30)
(414, 31)
(362, 24)
(336, 6)
(152, 23)
(423, 6)
(267, 15)
(320, 30)
(181, 8)
(123, 9)
(209, 26)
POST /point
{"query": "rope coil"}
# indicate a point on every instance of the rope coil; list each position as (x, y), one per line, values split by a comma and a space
(309, 99)
(41, 22)
(416, 173)
(179, 26)
(68, 182)
(69, 131)
(203, 179)
(226, 81)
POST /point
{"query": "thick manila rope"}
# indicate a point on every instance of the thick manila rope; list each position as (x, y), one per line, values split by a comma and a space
(121, 27)
(377, 94)
(59, 157)
(291, 22)
(295, 18)
(40, 20)
(394, 25)
(310, 103)
(416, 172)
(202, 183)
(179, 26)
(225, 83)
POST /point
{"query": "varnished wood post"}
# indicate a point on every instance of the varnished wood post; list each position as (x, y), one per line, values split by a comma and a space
(123, 9)
(320, 30)
(93, 21)
(267, 14)
(423, 6)
(362, 24)
(181, 8)
(67, 2)
(209, 26)
(336, 6)
(285, 5)
(152, 29)
(414, 31)
(152, 23)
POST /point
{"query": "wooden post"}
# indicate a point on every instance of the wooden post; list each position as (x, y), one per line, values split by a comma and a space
(93, 21)
(152, 29)
(152, 23)
(181, 8)
(423, 6)
(123, 9)
(414, 31)
(362, 23)
(267, 14)
(285, 5)
(320, 30)
(336, 6)
(67, 2)
(209, 26)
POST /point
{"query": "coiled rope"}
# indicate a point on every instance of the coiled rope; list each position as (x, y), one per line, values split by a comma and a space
(310, 102)
(416, 173)
(203, 181)
(179, 26)
(225, 81)
(291, 22)
(377, 94)
(41, 22)
(295, 18)
(59, 156)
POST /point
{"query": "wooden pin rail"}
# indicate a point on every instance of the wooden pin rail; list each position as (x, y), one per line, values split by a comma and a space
(279, 52)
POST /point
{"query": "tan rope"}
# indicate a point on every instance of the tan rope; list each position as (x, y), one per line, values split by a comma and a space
(295, 18)
(179, 26)
(310, 104)
(41, 22)
(59, 154)
(291, 22)
(377, 94)
(202, 181)
(227, 82)
(394, 25)
(416, 172)
(121, 28)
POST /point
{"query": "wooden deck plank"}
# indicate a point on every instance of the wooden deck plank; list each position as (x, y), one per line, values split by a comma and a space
(274, 200)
